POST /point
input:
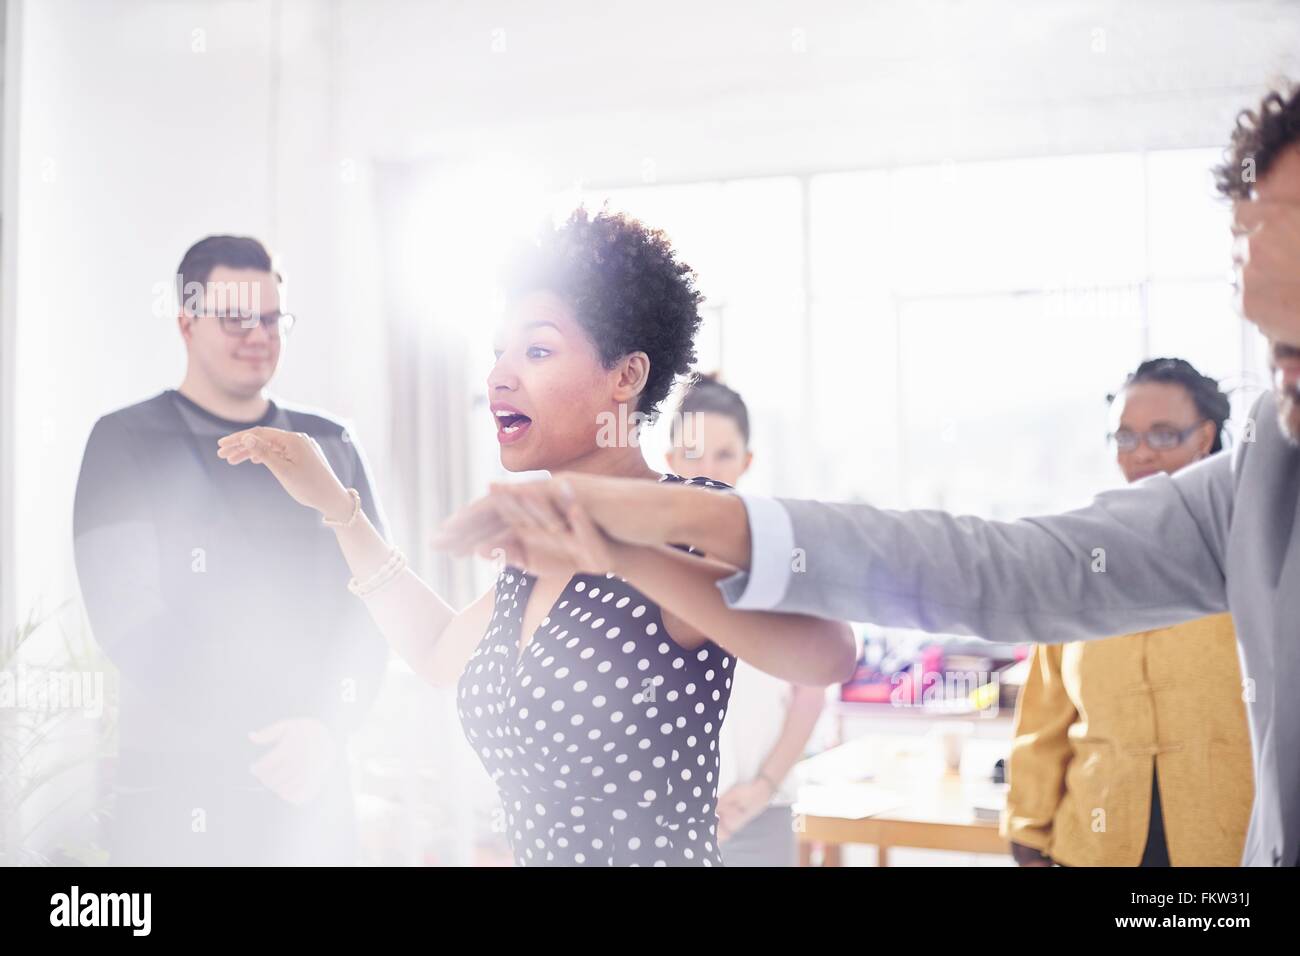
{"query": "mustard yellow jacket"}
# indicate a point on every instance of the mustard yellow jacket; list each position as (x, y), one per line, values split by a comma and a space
(1093, 721)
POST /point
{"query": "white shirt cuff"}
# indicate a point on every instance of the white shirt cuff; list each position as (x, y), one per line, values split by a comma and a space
(771, 536)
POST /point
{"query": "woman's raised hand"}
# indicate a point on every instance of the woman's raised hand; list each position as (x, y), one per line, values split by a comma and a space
(296, 461)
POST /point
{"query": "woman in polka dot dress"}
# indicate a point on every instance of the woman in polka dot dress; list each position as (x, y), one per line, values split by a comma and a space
(602, 735)
(592, 687)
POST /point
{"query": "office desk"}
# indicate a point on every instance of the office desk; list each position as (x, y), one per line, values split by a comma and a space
(932, 809)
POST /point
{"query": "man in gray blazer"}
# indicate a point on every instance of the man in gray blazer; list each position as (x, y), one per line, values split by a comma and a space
(1217, 536)
(1220, 535)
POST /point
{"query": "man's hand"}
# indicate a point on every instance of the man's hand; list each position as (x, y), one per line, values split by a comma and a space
(630, 510)
(538, 526)
(1266, 257)
(303, 751)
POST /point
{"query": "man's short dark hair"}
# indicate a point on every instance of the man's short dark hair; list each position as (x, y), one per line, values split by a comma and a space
(233, 252)
(1260, 137)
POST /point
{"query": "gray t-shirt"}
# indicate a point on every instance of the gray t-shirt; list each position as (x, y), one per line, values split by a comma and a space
(222, 600)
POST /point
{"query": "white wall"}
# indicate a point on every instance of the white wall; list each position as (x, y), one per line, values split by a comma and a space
(141, 127)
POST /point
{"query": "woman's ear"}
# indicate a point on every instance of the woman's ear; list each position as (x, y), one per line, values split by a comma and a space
(633, 371)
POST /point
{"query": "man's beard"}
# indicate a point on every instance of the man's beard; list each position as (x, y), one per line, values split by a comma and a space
(1288, 413)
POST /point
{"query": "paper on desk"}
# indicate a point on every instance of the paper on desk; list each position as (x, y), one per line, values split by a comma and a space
(851, 761)
(849, 801)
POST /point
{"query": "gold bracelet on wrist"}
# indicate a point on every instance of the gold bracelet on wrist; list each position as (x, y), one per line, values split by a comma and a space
(387, 572)
(351, 519)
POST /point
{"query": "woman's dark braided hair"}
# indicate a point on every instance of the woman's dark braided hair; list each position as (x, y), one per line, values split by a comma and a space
(707, 393)
(1211, 402)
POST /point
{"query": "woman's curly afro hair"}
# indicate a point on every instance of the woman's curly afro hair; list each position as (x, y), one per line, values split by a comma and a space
(626, 287)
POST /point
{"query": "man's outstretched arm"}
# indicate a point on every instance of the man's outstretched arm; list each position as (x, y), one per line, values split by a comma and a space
(1140, 557)
(1137, 558)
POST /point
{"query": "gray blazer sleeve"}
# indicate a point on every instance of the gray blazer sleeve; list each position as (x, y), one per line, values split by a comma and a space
(1145, 556)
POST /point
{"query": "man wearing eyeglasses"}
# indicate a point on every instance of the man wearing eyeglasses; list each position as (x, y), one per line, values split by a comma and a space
(244, 662)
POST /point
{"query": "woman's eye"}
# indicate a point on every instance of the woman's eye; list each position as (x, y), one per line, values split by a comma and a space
(536, 352)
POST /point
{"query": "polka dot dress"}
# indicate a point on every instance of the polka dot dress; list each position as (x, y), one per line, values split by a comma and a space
(602, 736)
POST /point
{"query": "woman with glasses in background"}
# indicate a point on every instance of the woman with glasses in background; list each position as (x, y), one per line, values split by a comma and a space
(1134, 751)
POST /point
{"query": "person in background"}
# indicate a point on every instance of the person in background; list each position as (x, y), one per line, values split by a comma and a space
(1135, 750)
(244, 663)
(770, 720)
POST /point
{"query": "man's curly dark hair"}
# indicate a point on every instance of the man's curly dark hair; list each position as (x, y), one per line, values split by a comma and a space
(626, 287)
(1260, 137)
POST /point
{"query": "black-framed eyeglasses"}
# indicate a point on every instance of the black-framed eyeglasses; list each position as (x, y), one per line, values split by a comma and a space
(238, 324)
(1160, 438)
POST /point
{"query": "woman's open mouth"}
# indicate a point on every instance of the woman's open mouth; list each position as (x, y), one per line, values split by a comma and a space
(512, 424)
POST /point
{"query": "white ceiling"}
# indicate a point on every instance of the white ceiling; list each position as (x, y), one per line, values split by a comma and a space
(719, 87)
